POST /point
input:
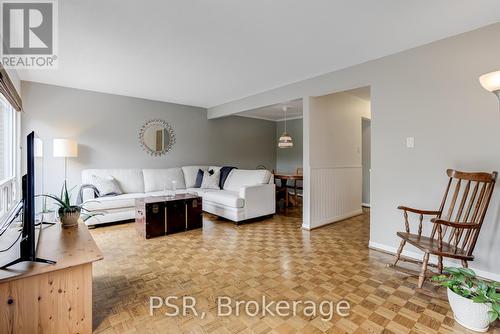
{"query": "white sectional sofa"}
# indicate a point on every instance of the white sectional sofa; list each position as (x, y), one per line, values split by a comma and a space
(246, 193)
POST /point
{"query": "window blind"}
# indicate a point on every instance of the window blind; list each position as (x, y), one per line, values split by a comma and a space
(8, 90)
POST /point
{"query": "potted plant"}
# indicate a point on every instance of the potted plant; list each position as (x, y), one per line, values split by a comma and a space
(475, 302)
(68, 213)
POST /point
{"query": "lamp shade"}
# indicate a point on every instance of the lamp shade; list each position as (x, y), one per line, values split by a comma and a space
(65, 148)
(285, 141)
(490, 81)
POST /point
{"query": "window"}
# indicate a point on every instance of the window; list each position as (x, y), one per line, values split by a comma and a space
(8, 127)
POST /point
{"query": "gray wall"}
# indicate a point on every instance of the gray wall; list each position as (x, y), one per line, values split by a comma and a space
(366, 157)
(106, 128)
(431, 93)
(289, 159)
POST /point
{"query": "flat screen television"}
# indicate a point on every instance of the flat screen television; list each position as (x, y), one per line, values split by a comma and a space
(27, 245)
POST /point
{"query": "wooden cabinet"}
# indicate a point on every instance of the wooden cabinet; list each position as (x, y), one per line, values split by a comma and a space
(41, 298)
(157, 216)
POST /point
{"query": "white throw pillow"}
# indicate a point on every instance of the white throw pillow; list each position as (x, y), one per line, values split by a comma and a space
(106, 185)
(190, 174)
(210, 181)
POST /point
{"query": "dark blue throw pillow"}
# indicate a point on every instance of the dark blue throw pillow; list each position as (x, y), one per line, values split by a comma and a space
(199, 179)
(224, 173)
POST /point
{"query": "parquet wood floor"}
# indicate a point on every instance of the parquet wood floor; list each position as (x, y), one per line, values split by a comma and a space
(273, 257)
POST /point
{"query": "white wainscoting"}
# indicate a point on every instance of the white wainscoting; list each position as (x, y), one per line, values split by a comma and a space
(335, 193)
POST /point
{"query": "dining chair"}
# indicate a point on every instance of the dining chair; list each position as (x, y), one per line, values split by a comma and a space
(296, 185)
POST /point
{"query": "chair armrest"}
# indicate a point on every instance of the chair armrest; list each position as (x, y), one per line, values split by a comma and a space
(407, 209)
(422, 212)
(452, 224)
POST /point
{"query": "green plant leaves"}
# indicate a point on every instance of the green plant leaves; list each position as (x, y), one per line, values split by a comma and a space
(64, 199)
(60, 202)
(64, 202)
(439, 278)
(463, 281)
(466, 272)
(87, 216)
(493, 315)
(480, 299)
(493, 295)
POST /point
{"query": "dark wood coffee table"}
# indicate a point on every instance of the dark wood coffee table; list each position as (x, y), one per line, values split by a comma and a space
(161, 215)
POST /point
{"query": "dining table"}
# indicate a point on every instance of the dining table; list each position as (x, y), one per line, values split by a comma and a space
(284, 177)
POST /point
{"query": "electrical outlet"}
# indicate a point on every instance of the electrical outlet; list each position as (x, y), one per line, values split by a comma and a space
(410, 142)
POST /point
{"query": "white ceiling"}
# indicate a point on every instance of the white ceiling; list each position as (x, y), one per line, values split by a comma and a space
(207, 53)
(275, 112)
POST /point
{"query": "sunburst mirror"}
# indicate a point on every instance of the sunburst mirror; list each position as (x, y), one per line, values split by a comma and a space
(156, 137)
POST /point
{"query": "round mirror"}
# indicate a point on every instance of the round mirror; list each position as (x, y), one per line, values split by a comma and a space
(156, 137)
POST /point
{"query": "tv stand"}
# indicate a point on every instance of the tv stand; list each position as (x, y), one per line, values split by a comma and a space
(16, 261)
(25, 254)
(37, 296)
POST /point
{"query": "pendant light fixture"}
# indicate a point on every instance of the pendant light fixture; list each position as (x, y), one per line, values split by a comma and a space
(285, 139)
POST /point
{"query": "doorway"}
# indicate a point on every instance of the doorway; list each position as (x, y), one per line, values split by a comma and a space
(335, 151)
(288, 167)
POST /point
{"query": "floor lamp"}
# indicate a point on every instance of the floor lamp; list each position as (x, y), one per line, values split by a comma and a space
(65, 148)
(491, 82)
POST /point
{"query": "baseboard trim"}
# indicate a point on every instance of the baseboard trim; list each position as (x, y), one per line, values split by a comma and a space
(366, 205)
(418, 256)
(334, 220)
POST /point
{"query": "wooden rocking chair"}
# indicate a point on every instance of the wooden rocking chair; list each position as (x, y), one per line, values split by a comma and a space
(454, 232)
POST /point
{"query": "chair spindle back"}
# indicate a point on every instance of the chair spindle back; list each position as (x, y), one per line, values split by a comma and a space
(465, 201)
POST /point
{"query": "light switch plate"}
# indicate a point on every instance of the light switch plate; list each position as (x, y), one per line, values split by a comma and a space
(410, 142)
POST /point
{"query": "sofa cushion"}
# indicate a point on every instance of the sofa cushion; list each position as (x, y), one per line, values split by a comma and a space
(199, 191)
(190, 173)
(210, 180)
(113, 202)
(224, 197)
(129, 180)
(106, 185)
(160, 179)
(244, 177)
(165, 193)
